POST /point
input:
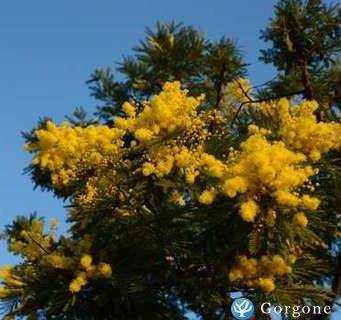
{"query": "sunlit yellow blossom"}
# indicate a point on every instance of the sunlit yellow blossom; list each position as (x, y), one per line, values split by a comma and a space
(4, 292)
(300, 129)
(56, 261)
(9, 277)
(262, 166)
(310, 203)
(168, 111)
(190, 176)
(63, 150)
(235, 274)
(315, 155)
(143, 135)
(75, 286)
(77, 283)
(148, 168)
(234, 185)
(129, 109)
(266, 284)
(105, 270)
(86, 261)
(287, 199)
(207, 196)
(215, 167)
(249, 210)
(279, 265)
(260, 273)
(301, 219)
(292, 259)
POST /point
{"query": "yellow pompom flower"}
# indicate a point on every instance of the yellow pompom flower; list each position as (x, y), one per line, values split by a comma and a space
(266, 284)
(75, 286)
(249, 210)
(148, 169)
(235, 274)
(260, 273)
(287, 199)
(301, 219)
(234, 185)
(143, 135)
(190, 176)
(129, 109)
(315, 155)
(5, 272)
(207, 196)
(105, 270)
(214, 167)
(63, 150)
(279, 265)
(4, 293)
(77, 283)
(86, 261)
(310, 203)
(56, 261)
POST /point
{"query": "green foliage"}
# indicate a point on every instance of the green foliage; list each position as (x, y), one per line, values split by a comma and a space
(305, 38)
(171, 52)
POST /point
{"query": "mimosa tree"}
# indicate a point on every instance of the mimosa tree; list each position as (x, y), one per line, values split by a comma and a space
(188, 185)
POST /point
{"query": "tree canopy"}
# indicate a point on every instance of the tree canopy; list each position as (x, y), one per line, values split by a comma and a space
(189, 184)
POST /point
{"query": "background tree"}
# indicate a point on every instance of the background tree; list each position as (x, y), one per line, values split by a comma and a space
(305, 38)
(305, 47)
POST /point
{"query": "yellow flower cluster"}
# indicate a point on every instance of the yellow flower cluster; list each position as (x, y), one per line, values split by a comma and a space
(259, 169)
(167, 112)
(63, 150)
(172, 136)
(261, 273)
(56, 260)
(12, 284)
(89, 270)
(188, 162)
(79, 282)
(264, 168)
(300, 130)
(161, 161)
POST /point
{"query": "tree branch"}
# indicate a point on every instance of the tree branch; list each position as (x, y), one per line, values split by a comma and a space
(264, 100)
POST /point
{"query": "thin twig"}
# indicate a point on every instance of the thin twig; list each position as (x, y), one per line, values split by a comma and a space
(262, 100)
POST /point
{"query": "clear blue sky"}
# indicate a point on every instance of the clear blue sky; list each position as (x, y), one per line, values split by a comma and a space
(49, 48)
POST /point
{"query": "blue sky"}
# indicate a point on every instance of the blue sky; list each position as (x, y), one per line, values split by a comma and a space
(48, 49)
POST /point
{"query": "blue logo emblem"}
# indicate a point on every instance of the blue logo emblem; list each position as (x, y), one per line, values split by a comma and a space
(242, 308)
